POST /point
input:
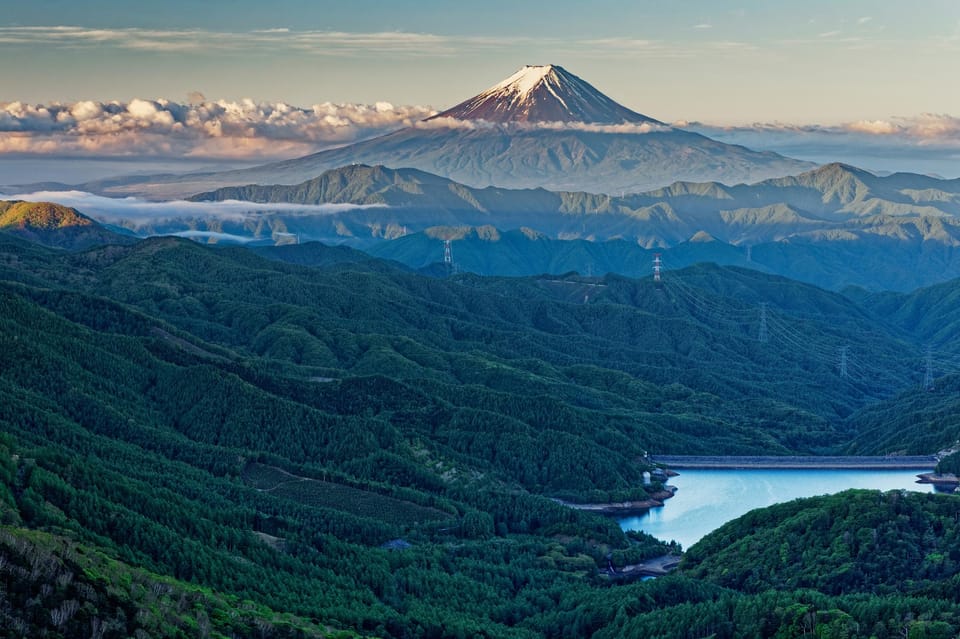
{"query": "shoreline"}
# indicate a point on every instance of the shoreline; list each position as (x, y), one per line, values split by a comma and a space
(655, 567)
(947, 479)
(809, 462)
(624, 507)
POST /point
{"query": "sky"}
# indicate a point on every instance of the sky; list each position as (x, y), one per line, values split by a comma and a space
(196, 79)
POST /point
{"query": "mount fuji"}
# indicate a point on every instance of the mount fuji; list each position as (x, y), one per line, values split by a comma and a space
(541, 127)
(544, 94)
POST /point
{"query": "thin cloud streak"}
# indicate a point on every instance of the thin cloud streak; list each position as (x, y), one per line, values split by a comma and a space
(365, 44)
(132, 212)
(196, 40)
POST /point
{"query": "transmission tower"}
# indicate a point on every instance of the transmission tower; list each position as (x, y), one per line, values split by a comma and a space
(842, 364)
(928, 375)
(764, 336)
(447, 256)
(657, 267)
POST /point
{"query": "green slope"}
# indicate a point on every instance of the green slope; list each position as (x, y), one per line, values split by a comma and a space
(139, 439)
(262, 429)
(55, 586)
(125, 440)
(855, 564)
(854, 541)
(55, 226)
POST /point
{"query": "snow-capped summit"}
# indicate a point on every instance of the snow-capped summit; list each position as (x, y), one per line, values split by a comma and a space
(544, 93)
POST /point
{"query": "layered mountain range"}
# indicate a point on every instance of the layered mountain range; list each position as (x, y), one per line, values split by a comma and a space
(835, 225)
(814, 200)
(541, 127)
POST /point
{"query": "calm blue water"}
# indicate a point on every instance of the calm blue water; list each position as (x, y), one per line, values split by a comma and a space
(707, 499)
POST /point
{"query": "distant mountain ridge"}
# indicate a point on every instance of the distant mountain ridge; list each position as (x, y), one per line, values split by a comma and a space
(833, 198)
(541, 127)
(835, 226)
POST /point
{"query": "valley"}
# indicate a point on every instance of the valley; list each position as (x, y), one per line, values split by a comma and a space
(451, 414)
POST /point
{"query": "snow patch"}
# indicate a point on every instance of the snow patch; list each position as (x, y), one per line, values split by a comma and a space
(544, 93)
(523, 82)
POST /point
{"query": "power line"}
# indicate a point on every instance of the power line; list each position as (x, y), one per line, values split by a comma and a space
(810, 341)
(764, 336)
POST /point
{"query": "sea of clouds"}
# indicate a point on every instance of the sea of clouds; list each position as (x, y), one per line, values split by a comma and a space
(198, 128)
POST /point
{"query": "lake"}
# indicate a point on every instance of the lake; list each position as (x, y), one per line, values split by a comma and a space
(707, 499)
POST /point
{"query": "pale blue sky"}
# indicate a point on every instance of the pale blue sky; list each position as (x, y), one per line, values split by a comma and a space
(719, 62)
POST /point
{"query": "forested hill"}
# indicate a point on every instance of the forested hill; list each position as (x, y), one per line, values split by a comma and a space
(350, 443)
(642, 357)
(856, 564)
(864, 541)
(54, 225)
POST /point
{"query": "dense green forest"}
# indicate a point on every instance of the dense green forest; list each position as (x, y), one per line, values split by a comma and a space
(207, 442)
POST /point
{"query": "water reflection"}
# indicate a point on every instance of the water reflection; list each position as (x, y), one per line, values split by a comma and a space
(706, 499)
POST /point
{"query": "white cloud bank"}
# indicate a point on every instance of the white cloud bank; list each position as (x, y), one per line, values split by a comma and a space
(204, 40)
(927, 143)
(221, 130)
(244, 130)
(924, 129)
(132, 212)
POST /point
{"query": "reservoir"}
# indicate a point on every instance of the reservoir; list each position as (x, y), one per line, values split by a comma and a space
(707, 499)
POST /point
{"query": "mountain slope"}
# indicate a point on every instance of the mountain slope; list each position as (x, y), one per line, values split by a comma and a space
(931, 313)
(519, 157)
(351, 320)
(54, 225)
(863, 541)
(139, 441)
(55, 586)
